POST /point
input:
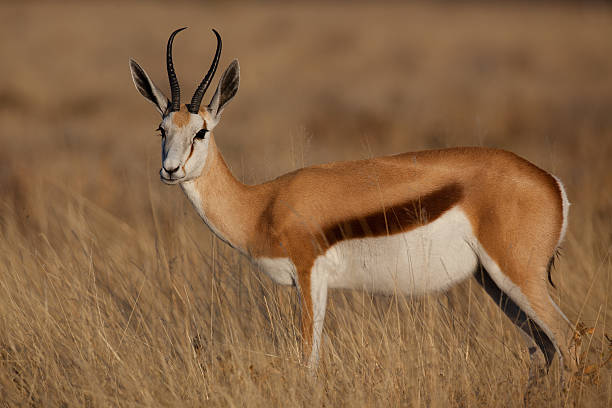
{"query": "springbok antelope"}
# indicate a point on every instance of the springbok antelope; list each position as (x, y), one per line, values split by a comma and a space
(413, 222)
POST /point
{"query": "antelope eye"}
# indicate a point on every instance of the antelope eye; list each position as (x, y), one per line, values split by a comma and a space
(201, 134)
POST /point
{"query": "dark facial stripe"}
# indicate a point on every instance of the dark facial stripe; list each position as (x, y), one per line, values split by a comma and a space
(190, 153)
(396, 219)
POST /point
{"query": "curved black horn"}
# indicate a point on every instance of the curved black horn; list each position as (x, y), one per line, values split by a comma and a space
(194, 107)
(174, 85)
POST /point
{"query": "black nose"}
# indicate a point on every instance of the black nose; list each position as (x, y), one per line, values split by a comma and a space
(170, 171)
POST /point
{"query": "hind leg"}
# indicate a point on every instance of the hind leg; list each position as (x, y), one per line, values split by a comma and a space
(541, 349)
(548, 327)
(538, 366)
(554, 322)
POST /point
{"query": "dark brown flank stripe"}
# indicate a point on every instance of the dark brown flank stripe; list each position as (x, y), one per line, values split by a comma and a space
(399, 218)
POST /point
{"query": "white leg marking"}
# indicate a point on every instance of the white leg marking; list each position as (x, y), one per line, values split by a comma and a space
(566, 205)
(558, 309)
(318, 291)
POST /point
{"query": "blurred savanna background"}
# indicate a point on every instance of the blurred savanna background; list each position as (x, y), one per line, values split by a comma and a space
(114, 293)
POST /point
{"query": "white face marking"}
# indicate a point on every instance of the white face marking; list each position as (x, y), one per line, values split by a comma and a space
(179, 162)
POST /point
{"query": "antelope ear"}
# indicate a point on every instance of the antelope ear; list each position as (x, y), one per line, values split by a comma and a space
(147, 88)
(227, 88)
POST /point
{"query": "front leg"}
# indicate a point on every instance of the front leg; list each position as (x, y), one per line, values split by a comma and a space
(313, 294)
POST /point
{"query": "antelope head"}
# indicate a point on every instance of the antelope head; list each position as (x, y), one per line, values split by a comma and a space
(185, 130)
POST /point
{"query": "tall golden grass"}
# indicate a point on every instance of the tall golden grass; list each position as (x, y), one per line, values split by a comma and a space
(114, 293)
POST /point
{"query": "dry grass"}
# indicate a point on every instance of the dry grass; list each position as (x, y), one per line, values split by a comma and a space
(107, 276)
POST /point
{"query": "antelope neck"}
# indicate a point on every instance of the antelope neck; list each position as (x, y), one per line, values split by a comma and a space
(225, 204)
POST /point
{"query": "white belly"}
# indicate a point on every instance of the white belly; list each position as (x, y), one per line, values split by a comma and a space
(280, 270)
(430, 258)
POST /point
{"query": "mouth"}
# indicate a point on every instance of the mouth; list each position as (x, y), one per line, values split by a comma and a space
(170, 181)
